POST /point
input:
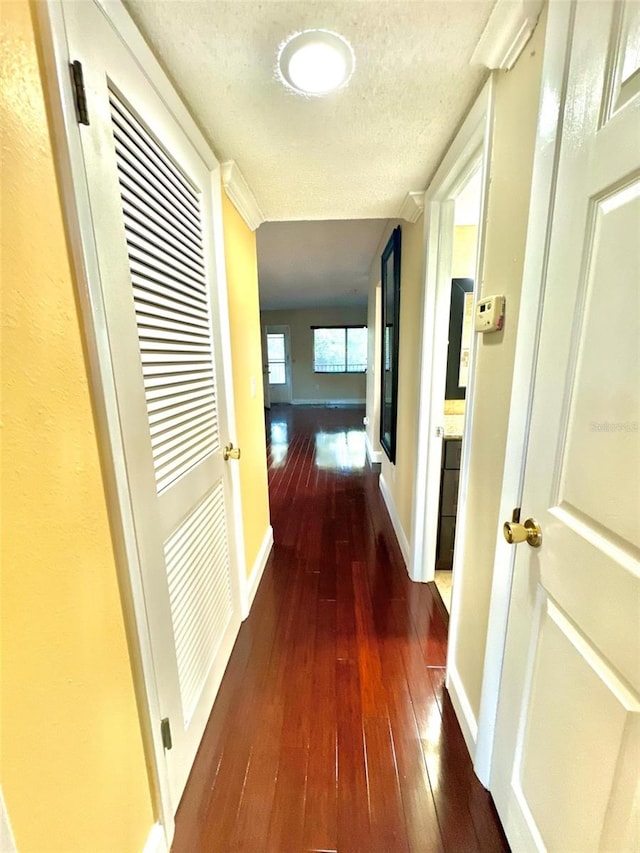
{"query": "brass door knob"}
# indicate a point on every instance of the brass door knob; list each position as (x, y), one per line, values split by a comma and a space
(230, 452)
(529, 532)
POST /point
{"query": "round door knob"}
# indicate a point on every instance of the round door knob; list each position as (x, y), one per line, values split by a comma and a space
(230, 452)
(529, 532)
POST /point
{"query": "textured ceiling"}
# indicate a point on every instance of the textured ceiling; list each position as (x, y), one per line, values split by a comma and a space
(352, 155)
(313, 264)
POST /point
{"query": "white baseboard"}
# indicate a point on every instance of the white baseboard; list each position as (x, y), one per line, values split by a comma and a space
(7, 841)
(462, 707)
(375, 456)
(253, 581)
(401, 536)
(329, 403)
(156, 842)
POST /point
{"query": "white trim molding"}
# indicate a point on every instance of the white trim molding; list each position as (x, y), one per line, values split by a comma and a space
(401, 536)
(257, 570)
(375, 456)
(470, 146)
(240, 193)
(412, 207)
(508, 29)
(156, 840)
(462, 706)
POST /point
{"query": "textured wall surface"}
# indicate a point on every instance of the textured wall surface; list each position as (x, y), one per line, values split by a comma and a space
(246, 355)
(72, 763)
(307, 385)
(516, 107)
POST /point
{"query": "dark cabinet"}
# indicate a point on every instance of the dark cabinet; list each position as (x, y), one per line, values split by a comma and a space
(451, 452)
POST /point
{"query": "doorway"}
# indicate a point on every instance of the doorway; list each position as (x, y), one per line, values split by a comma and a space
(279, 363)
(466, 223)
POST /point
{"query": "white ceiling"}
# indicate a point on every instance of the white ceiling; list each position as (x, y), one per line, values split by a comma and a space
(313, 264)
(353, 154)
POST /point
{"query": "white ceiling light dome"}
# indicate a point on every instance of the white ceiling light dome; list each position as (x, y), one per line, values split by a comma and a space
(316, 62)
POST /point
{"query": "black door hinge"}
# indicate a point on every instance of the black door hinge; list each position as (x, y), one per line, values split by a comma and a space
(80, 95)
(165, 731)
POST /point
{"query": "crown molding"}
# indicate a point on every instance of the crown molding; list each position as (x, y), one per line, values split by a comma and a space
(412, 207)
(239, 192)
(508, 29)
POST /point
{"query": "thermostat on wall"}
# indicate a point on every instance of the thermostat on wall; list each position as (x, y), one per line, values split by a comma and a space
(490, 314)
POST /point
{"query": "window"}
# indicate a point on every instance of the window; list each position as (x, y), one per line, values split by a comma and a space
(340, 349)
(276, 356)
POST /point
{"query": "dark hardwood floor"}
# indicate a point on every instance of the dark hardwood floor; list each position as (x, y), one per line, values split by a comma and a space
(333, 730)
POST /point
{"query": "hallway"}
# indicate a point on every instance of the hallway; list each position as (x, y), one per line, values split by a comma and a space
(332, 730)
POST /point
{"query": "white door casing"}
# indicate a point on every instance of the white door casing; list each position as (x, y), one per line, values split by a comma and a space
(158, 320)
(567, 746)
(471, 145)
(280, 392)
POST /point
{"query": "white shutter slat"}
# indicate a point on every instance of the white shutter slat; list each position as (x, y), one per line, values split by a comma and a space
(154, 350)
(160, 322)
(159, 257)
(142, 188)
(158, 375)
(161, 339)
(164, 240)
(189, 404)
(171, 440)
(167, 427)
(143, 143)
(136, 145)
(148, 210)
(144, 226)
(152, 299)
(197, 560)
(153, 280)
(173, 467)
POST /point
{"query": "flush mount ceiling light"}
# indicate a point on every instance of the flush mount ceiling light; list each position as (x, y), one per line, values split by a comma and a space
(316, 62)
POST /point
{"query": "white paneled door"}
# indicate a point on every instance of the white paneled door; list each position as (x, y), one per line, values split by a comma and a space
(566, 773)
(279, 363)
(161, 318)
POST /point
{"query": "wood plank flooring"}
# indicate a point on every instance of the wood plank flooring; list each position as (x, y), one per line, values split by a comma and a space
(333, 730)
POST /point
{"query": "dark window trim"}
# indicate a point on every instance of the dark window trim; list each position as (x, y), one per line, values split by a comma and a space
(342, 326)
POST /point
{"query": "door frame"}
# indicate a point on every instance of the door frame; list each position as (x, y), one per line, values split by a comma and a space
(471, 145)
(74, 193)
(283, 329)
(540, 220)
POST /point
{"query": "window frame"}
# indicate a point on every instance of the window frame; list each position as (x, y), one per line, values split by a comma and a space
(345, 328)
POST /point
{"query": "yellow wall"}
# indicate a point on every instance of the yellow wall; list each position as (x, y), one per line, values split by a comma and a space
(246, 355)
(308, 386)
(400, 478)
(516, 106)
(72, 765)
(465, 242)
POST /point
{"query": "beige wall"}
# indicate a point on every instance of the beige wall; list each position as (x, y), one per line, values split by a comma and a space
(308, 386)
(72, 765)
(465, 243)
(516, 106)
(246, 355)
(400, 477)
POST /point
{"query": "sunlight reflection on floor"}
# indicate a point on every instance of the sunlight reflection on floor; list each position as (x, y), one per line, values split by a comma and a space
(341, 450)
(279, 442)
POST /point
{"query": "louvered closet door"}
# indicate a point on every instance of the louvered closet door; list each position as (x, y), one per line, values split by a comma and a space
(151, 202)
